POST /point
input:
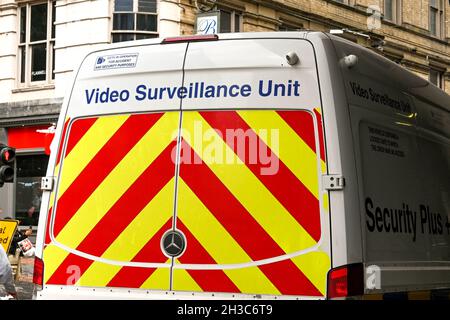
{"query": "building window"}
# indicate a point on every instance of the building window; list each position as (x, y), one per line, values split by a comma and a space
(134, 20)
(230, 21)
(436, 78)
(436, 15)
(36, 43)
(389, 10)
(393, 10)
(289, 27)
(29, 171)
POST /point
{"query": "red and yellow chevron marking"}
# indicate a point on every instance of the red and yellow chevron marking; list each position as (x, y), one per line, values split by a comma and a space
(115, 201)
(131, 165)
(272, 215)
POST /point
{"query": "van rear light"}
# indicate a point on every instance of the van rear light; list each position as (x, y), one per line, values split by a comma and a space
(206, 37)
(346, 281)
(38, 272)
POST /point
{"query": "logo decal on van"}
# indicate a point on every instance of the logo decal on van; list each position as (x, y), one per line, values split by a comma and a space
(173, 243)
(116, 61)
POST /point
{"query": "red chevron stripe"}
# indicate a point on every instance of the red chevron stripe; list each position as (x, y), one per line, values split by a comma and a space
(242, 227)
(284, 185)
(61, 141)
(321, 133)
(134, 128)
(77, 131)
(302, 123)
(297, 283)
(208, 280)
(122, 213)
(69, 271)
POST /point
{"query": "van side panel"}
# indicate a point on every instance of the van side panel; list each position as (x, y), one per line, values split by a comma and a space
(402, 161)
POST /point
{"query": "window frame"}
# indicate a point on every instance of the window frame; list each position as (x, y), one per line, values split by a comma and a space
(233, 14)
(439, 77)
(287, 25)
(24, 66)
(396, 9)
(134, 32)
(436, 8)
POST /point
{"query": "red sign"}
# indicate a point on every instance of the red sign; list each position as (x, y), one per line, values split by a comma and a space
(31, 137)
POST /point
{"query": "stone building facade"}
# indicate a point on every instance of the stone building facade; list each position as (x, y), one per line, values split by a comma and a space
(43, 41)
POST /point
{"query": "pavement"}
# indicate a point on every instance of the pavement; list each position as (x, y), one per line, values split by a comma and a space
(24, 282)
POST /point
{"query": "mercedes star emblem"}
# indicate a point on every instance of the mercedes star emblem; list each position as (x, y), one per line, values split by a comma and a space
(173, 243)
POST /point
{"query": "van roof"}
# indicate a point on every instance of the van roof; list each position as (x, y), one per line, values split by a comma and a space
(400, 76)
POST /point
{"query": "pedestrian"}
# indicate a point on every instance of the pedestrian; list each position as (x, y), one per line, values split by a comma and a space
(31, 216)
(6, 276)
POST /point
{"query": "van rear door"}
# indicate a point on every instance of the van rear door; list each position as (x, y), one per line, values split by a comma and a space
(249, 197)
(115, 172)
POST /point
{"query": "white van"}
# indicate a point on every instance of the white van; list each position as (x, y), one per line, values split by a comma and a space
(257, 165)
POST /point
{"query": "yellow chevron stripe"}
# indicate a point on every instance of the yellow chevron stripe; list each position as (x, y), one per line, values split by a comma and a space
(53, 257)
(117, 182)
(159, 279)
(292, 150)
(251, 192)
(315, 266)
(98, 274)
(182, 280)
(52, 195)
(325, 202)
(133, 238)
(88, 146)
(219, 243)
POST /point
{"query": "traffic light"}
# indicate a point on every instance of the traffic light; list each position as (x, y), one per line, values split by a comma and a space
(7, 157)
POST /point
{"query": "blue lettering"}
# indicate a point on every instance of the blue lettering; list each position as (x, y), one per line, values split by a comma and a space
(234, 90)
(161, 92)
(140, 92)
(265, 92)
(114, 95)
(182, 91)
(171, 92)
(124, 95)
(104, 96)
(90, 95)
(246, 90)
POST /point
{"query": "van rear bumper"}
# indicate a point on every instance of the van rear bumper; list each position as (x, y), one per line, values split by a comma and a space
(54, 292)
